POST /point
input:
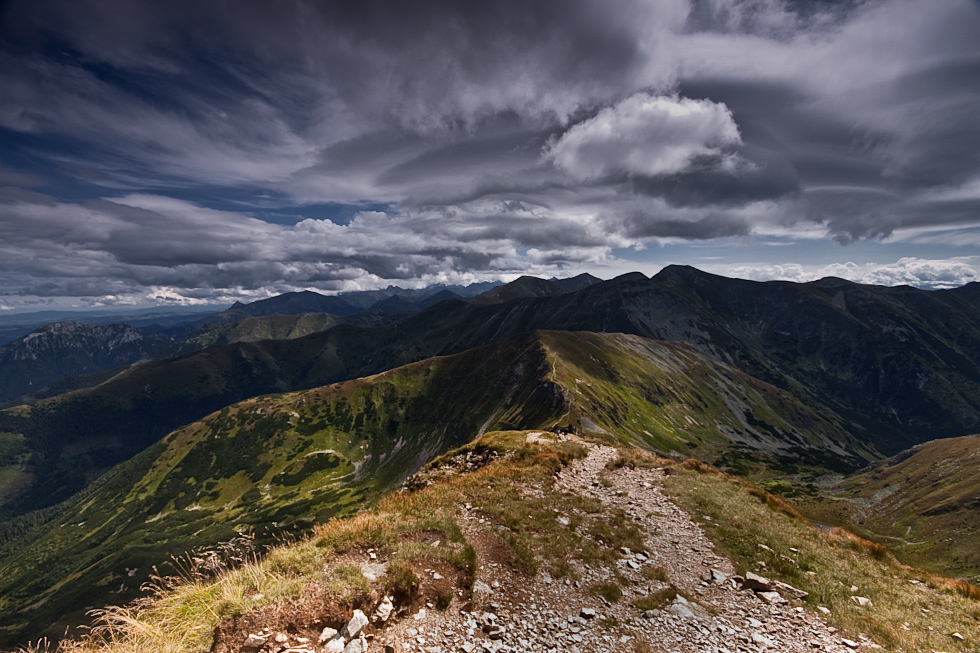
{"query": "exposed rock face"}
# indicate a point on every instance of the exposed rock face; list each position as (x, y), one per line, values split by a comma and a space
(63, 349)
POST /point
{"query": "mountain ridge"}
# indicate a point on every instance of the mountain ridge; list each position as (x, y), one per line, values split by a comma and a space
(309, 455)
(889, 360)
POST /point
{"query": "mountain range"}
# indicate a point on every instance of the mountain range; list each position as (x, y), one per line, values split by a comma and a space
(277, 421)
(892, 363)
(304, 457)
(58, 352)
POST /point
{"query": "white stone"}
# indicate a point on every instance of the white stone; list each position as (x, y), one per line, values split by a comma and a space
(255, 642)
(384, 610)
(327, 634)
(356, 646)
(355, 625)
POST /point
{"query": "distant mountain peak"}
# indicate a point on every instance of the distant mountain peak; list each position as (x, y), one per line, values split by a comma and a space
(527, 286)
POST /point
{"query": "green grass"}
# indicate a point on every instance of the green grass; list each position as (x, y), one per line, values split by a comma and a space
(609, 590)
(743, 518)
(668, 397)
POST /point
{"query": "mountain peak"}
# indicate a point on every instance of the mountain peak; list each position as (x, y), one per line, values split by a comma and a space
(526, 287)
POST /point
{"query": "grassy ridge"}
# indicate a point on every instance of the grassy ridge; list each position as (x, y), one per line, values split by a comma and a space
(287, 460)
(253, 329)
(671, 398)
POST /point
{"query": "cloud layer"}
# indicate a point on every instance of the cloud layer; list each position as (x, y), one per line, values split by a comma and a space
(188, 150)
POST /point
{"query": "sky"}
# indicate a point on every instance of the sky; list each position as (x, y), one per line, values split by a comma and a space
(211, 151)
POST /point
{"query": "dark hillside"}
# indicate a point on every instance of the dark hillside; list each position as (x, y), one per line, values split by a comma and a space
(892, 362)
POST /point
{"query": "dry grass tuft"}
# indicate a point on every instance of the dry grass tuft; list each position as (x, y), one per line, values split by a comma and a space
(607, 590)
(700, 467)
(875, 550)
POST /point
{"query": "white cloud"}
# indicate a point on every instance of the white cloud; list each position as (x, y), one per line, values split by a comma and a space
(913, 271)
(647, 135)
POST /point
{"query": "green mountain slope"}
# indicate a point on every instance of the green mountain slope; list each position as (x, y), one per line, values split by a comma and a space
(301, 457)
(893, 362)
(286, 459)
(924, 504)
(253, 329)
(671, 398)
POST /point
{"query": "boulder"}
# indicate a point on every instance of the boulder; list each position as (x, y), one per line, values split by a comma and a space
(327, 634)
(772, 598)
(335, 645)
(789, 589)
(356, 646)
(717, 577)
(756, 583)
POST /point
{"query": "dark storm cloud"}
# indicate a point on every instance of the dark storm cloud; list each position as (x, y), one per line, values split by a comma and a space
(175, 145)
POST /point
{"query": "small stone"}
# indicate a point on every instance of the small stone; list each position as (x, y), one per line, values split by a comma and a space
(823, 609)
(372, 571)
(327, 634)
(681, 610)
(957, 636)
(772, 598)
(587, 613)
(254, 642)
(384, 610)
(789, 589)
(862, 601)
(355, 625)
(356, 646)
(756, 583)
(850, 643)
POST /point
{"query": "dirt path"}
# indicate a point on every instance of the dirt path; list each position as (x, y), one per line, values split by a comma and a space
(549, 615)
